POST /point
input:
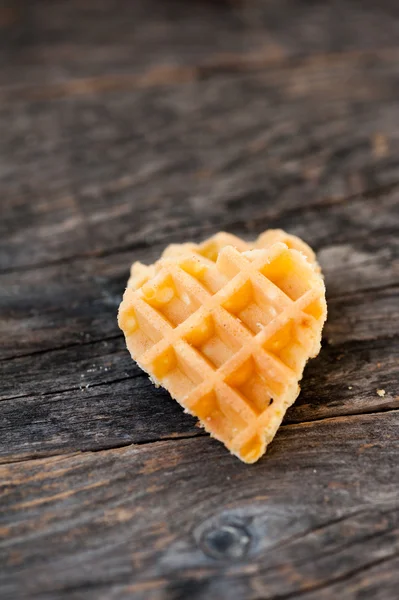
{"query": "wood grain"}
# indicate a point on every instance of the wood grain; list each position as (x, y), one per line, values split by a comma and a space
(125, 126)
(47, 42)
(112, 171)
(120, 523)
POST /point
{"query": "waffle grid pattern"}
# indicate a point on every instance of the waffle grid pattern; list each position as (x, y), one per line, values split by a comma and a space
(211, 248)
(228, 339)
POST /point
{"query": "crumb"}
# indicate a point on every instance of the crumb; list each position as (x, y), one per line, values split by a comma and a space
(349, 387)
(381, 393)
(379, 365)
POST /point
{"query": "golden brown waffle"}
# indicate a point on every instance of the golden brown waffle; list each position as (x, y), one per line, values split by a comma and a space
(229, 339)
(211, 247)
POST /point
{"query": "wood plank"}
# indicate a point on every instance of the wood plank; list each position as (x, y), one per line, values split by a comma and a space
(146, 522)
(105, 416)
(47, 408)
(345, 379)
(75, 366)
(77, 301)
(366, 583)
(363, 318)
(46, 42)
(110, 409)
(126, 126)
(96, 174)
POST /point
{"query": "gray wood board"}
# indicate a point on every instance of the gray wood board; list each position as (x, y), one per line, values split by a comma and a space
(125, 126)
(184, 519)
(49, 43)
(99, 173)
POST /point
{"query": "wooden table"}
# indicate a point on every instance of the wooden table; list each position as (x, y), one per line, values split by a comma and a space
(129, 125)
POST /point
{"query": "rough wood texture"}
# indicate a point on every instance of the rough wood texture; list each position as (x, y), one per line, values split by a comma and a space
(50, 42)
(248, 147)
(125, 126)
(149, 522)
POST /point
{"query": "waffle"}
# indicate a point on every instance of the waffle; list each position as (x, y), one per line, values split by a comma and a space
(211, 247)
(227, 334)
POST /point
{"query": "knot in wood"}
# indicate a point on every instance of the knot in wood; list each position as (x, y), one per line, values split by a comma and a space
(228, 541)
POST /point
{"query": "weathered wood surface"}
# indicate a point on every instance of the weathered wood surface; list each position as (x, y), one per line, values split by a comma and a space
(125, 126)
(48, 43)
(184, 519)
(305, 135)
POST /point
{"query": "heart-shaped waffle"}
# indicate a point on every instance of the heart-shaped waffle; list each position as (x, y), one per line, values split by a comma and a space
(228, 333)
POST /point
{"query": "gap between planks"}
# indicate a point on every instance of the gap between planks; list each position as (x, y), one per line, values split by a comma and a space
(178, 437)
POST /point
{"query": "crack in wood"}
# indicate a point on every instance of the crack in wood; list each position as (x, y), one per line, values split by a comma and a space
(66, 347)
(76, 388)
(42, 455)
